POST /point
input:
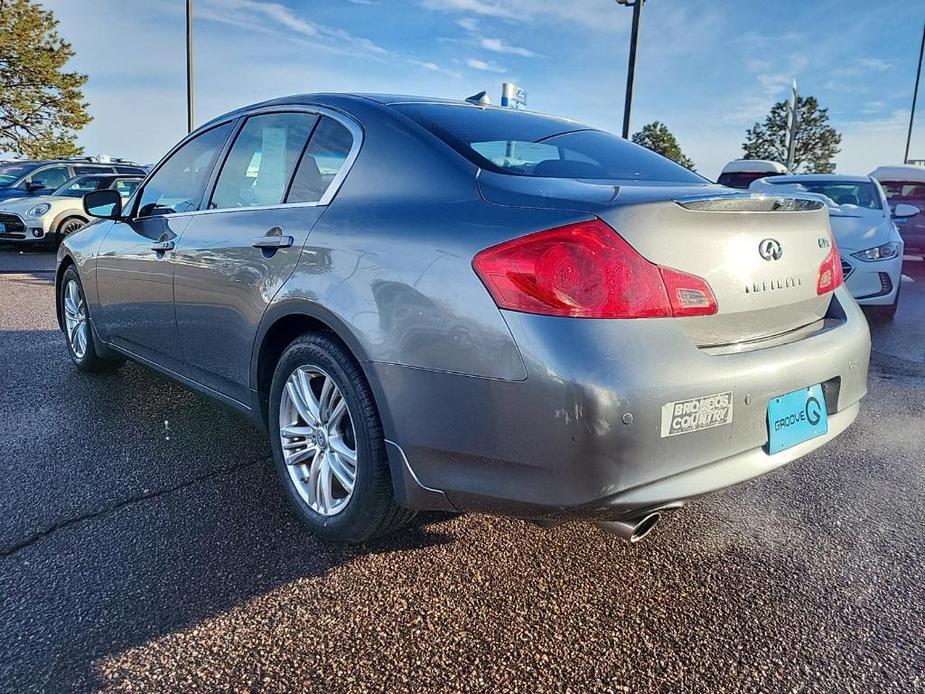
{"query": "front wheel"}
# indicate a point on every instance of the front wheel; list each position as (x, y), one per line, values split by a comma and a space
(68, 227)
(328, 445)
(77, 331)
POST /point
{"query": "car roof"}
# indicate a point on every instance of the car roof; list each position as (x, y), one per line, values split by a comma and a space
(754, 166)
(900, 172)
(333, 99)
(799, 178)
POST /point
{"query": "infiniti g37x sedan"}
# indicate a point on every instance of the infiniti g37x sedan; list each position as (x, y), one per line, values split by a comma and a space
(438, 305)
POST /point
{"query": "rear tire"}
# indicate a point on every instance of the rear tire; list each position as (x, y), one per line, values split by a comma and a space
(315, 377)
(78, 332)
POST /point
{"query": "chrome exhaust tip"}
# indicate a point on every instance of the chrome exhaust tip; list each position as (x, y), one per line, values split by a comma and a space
(632, 530)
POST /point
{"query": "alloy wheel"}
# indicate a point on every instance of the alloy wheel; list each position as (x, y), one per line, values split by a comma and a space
(71, 227)
(318, 440)
(75, 318)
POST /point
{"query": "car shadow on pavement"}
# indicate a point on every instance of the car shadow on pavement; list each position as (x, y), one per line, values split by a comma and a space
(135, 509)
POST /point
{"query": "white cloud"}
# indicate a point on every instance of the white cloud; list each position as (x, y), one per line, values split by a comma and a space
(433, 67)
(601, 15)
(468, 23)
(867, 144)
(271, 17)
(477, 64)
(875, 64)
(499, 46)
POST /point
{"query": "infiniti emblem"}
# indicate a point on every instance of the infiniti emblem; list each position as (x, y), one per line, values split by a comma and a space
(770, 249)
(320, 439)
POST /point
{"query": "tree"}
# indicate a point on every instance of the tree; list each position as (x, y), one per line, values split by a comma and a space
(41, 105)
(657, 137)
(816, 141)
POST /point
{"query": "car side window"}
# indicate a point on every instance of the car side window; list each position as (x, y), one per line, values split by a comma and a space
(80, 170)
(177, 185)
(259, 165)
(52, 177)
(323, 159)
(125, 187)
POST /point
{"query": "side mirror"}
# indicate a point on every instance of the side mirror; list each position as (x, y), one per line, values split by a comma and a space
(904, 210)
(33, 186)
(105, 204)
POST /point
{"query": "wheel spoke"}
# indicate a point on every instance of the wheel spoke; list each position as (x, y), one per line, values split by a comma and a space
(304, 457)
(337, 412)
(327, 389)
(82, 337)
(323, 496)
(345, 474)
(338, 446)
(308, 397)
(295, 431)
(70, 309)
(295, 396)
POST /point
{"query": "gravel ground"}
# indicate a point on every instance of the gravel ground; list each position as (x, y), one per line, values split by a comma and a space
(145, 547)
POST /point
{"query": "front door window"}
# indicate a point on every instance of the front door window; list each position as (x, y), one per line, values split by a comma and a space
(177, 185)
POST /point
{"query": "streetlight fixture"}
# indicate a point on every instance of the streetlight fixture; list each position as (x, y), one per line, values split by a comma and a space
(631, 66)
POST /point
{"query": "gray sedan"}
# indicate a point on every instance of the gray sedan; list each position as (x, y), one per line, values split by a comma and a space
(438, 305)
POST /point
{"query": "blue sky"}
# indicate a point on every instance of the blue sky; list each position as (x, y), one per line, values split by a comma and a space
(707, 68)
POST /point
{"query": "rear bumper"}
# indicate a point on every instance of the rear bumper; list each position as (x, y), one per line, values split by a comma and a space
(582, 435)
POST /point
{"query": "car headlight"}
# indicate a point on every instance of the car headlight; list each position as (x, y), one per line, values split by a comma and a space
(39, 210)
(887, 250)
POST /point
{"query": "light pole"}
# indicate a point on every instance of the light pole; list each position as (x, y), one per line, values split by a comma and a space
(915, 94)
(631, 66)
(189, 66)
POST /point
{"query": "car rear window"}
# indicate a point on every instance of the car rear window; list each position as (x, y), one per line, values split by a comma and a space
(742, 179)
(529, 144)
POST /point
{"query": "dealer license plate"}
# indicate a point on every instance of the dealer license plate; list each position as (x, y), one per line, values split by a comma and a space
(796, 417)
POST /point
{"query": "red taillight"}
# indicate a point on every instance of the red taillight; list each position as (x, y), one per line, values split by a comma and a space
(587, 270)
(831, 276)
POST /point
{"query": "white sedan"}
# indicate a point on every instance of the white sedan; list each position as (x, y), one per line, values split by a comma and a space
(868, 240)
(50, 218)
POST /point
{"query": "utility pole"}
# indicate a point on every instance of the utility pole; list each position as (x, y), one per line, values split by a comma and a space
(189, 66)
(915, 94)
(631, 66)
(793, 123)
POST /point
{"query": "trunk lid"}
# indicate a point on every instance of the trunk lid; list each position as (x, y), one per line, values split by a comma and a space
(759, 254)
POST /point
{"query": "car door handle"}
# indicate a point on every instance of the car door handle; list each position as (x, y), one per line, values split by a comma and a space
(162, 246)
(272, 241)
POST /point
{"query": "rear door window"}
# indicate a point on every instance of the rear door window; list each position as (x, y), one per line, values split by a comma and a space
(324, 157)
(260, 164)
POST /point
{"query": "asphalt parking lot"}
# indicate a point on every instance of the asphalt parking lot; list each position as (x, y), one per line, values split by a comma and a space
(145, 547)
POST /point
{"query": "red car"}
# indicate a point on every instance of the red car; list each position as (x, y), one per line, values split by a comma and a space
(906, 185)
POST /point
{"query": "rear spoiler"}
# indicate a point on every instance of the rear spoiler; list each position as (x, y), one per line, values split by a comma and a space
(750, 203)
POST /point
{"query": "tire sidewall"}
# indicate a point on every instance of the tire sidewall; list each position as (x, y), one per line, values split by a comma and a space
(350, 524)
